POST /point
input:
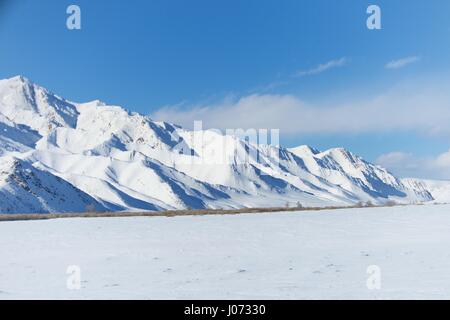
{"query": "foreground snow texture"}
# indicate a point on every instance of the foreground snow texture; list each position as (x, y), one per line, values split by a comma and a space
(266, 256)
(62, 156)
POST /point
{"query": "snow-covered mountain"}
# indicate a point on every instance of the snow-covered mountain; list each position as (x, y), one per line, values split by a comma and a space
(60, 156)
(439, 189)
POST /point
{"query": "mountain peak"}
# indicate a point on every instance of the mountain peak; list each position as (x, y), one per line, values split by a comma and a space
(17, 80)
(93, 103)
(26, 103)
(20, 86)
(342, 155)
(339, 150)
(304, 149)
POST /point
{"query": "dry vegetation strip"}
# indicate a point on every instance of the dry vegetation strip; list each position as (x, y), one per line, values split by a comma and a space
(171, 213)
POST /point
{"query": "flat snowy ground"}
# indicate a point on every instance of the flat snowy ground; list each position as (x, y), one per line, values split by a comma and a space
(304, 255)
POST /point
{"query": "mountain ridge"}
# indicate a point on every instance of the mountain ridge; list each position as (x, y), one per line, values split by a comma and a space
(123, 160)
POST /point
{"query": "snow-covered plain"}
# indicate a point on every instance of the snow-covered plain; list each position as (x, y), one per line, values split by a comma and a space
(300, 255)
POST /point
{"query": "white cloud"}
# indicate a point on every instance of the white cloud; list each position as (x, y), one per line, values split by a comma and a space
(420, 108)
(397, 160)
(409, 165)
(322, 67)
(400, 63)
(443, 160)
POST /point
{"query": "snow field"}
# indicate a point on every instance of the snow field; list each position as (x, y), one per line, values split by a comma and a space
(301, 255)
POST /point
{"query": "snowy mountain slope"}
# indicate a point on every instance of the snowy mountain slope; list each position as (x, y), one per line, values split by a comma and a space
(24, 189)
(127, 161)
(439, 189)
(16, 138)
(146, 181)
(351, 172)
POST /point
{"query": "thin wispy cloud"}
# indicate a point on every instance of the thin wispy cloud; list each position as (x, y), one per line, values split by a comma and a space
(403, 62)
(410, 165)
(419, 107)
(322, 67)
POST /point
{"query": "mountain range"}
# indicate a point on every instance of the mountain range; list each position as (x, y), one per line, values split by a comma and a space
(61, 156)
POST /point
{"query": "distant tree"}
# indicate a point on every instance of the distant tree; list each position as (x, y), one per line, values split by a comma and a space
(299, 205)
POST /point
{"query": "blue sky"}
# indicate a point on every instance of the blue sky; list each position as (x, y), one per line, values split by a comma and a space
(181, 60)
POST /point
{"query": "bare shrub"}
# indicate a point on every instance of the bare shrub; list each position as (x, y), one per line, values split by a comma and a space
(369, 204)
(390, 203)
(360, 204)
(90, 208)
